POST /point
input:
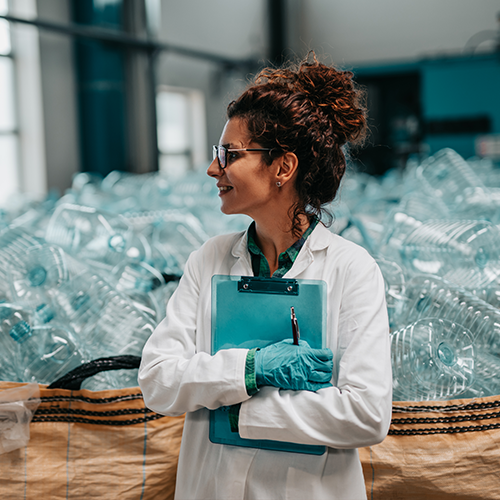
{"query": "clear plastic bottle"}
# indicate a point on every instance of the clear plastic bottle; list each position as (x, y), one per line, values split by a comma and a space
(106, 321)
(397, 226)
(137, 281)
(39, 270)
(14, 243)
(480, 204)
(486, 382)
(51, 352)
(8, 371)
(394, 282)
(421, 206)
(10, 315)
(121, 328)
(464, 252)
(140, 276)
(15, 325)
(431, 296)
(4, 219)
(179, 233)
(92, 234)
(446, 175)
(432, 360)
(79, 301)
(37, 353)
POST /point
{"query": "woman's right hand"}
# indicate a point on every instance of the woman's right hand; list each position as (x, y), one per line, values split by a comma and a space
(294, 367)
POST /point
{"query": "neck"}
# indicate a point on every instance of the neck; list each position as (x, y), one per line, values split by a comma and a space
(274, 236)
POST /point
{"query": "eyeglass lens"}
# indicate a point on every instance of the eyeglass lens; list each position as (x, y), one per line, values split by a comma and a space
(219, 152)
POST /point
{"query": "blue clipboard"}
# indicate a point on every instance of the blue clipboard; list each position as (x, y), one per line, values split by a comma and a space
(249, 312)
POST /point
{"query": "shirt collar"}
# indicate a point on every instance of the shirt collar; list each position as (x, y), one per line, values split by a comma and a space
(286, 258)
(319, 239)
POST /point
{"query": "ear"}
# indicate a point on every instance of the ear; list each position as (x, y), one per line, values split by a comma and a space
(287, 167)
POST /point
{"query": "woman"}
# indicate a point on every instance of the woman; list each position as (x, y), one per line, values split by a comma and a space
(279, 160)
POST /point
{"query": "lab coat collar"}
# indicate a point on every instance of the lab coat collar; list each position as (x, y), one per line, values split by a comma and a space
(243, 266)
(318, 240)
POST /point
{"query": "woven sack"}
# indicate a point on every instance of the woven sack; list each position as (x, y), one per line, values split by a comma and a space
(437, 451)
(93, 444)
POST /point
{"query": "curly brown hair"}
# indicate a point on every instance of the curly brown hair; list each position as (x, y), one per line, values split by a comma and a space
(312, 110)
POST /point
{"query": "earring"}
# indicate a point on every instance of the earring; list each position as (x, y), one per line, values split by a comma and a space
(278, 184)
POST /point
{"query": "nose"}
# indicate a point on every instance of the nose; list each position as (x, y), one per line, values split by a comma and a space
(214, 170)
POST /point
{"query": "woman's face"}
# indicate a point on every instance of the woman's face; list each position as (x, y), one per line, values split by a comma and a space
(247, 185)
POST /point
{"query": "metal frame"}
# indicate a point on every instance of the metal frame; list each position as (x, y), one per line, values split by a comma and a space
(130, 42)
(127, 42)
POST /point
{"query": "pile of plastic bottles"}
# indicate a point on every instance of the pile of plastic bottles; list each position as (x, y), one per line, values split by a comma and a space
(434, 231)
(89, 274)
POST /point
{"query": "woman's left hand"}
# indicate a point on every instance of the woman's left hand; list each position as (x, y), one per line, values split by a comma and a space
(294, 367)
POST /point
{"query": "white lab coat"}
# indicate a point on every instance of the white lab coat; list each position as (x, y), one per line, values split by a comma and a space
(178, 375)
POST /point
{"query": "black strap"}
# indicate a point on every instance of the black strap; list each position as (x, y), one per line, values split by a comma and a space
(73, 379)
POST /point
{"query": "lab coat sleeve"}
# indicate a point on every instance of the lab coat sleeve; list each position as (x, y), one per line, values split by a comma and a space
(357, 411)
(174, 377)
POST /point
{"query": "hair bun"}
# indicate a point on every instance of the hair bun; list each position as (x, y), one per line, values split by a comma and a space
(335, 94)
(330, 92)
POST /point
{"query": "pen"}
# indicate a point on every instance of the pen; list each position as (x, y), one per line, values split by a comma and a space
(295, 328)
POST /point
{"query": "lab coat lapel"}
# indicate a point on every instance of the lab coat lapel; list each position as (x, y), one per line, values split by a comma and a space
(318, 240)
(242, 266)
(303, 261)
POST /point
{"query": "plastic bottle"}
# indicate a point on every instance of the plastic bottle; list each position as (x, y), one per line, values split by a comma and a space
(431, 296)
(480, 203)
(421, 206)
(36, 273)
(8, 369)
(179, 233)
(37, 353)
(51, 352)
(397, 226)
(14, 242)
(15, 324)
(137, 281)
(432, 360)
(4, 219)
(464, 252)
(121, 328)
(446, 175)
(79, 301)
(91, 234)
(140, 276)
(487, 382)
(394, 282)
(106, 321)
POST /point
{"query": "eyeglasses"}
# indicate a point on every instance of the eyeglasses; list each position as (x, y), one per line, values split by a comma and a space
(220, 152)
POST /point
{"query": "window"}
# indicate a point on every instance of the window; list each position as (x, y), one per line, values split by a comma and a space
(8, 122)
(181, 130)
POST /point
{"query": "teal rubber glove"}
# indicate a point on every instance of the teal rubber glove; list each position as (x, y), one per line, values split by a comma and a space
(294, 367)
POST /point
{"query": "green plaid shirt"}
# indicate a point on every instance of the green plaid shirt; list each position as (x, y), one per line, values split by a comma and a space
(260, 266)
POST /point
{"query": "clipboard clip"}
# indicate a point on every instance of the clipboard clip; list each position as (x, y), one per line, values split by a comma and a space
(277, 286)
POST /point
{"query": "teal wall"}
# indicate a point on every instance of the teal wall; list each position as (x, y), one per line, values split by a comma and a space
(460, 88)
(451, 88)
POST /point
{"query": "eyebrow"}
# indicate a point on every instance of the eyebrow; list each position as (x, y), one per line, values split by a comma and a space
(233, 146)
